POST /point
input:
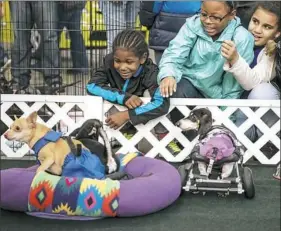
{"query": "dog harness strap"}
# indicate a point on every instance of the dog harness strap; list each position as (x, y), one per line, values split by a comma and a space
(76, 150)
(51, 136)
(223, 128)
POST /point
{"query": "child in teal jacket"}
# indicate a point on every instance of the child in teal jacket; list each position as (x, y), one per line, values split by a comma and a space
(192, 65)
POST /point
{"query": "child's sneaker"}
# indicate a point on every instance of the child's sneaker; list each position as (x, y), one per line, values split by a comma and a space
(54, 85)
(18, 86)
(173, 148)
(128, 136)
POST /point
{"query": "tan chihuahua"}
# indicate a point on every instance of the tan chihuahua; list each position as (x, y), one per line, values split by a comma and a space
(53, 154)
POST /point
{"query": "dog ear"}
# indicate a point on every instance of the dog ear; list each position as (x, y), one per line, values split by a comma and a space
(32, 118)
(205, 124)
(15, 117)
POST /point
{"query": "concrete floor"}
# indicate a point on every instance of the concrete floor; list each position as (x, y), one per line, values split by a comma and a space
(190, 212)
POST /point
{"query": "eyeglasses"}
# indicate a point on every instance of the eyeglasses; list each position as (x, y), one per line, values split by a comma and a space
(214, 19)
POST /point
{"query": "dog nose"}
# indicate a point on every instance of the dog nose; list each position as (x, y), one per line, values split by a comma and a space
(5, 135)
(178, 124)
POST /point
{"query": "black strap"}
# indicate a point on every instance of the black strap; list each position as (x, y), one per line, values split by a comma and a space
(79, 149)
(76, 150)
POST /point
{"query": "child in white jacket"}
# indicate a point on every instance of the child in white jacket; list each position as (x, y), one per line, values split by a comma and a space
(265, 26)
(259, 78)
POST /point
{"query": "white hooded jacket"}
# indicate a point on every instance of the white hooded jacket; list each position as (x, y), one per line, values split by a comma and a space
(249, 77)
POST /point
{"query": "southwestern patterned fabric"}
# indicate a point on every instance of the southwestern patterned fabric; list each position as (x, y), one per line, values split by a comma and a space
(125, 159)
(76, 196)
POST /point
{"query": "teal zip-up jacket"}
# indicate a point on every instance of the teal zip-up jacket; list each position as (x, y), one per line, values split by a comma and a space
(192, 54)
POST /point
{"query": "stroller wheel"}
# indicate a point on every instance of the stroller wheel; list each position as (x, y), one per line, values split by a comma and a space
(183, 174)
(183, 171)
(248, 183)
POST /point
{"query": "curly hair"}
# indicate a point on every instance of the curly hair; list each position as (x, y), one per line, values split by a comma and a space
(271, 6)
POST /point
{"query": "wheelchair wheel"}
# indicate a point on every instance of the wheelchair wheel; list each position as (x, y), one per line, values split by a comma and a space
(248, 183)
(183, 174)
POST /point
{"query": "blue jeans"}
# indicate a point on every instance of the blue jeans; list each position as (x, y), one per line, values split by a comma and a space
(118, 15)
(263, 91)
(24, 15)
(158, 56)
(71, 20)
(185, 89)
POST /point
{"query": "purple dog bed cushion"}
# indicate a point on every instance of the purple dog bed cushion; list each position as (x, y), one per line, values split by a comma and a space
(155, 185)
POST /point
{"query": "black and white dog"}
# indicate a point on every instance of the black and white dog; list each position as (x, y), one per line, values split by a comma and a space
(89, 133)
(214, 141)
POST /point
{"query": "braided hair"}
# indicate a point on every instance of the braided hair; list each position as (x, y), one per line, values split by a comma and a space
(231, 5)
(133, 41)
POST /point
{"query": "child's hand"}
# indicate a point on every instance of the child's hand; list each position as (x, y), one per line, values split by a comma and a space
(118, 119)
(270, 47)
(228, 51)
(168, 86)
(133, 102)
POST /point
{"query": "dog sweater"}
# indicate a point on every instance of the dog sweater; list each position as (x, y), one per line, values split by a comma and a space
(84, 165)
(222, 139)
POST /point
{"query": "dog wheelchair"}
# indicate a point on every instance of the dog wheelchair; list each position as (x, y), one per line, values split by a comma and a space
(240, 181)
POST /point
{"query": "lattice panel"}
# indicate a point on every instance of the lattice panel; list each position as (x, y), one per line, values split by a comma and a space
(66, 113)
(62, 113)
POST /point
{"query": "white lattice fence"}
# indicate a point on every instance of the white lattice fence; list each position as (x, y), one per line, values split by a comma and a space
(220, 117)
(94, 107)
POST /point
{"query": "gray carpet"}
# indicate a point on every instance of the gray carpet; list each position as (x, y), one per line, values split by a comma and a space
(190, 212)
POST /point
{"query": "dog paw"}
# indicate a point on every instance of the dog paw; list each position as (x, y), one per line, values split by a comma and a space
(112, 165)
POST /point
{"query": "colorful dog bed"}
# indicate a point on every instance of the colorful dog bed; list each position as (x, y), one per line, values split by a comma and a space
(154, 185)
